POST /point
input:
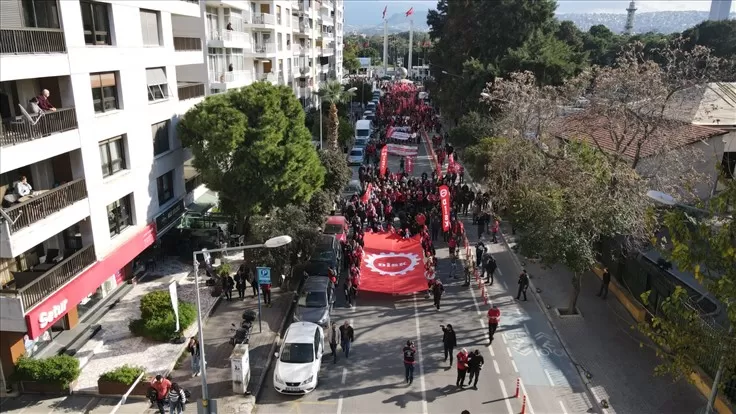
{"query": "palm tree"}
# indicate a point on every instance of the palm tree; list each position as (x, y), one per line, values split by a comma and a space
(334, 93)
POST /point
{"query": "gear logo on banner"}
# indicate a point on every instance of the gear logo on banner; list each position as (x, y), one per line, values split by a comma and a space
(391, 264)
(443, 193)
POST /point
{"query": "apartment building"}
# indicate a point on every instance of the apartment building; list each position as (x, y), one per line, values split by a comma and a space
(90, 94)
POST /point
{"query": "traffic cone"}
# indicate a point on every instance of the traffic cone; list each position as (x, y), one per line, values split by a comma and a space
(516, 395)
(523, 405)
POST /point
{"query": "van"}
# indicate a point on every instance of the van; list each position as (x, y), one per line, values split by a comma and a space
(363, 129)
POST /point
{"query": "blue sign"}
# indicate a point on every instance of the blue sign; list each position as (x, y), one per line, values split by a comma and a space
(264, 275)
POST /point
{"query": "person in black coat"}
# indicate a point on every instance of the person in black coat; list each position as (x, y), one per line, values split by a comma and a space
(240, 280)
(490, 268)
(449, 340)
(475, 363)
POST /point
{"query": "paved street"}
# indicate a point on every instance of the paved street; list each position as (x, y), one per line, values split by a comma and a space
(371, 381)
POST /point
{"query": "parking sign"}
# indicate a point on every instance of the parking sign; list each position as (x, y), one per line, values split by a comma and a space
(264, 275)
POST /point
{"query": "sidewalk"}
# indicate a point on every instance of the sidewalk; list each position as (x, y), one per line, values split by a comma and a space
(604, 342)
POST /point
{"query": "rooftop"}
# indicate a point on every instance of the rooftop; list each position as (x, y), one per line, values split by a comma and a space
(713, 105)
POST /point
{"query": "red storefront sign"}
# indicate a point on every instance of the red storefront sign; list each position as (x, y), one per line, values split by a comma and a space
(445, 206)
(48, 312)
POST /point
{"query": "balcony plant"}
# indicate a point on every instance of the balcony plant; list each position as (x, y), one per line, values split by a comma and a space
(117, 381)
(157, 321)
(53, 375)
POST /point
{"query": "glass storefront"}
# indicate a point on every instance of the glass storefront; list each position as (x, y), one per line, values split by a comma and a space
(102, 292)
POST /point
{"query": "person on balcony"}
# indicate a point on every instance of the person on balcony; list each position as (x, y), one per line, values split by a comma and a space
(22, 188)
(229, 26)
(43, 101)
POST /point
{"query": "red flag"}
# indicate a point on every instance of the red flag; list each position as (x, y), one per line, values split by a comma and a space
(384, 12)
(392, 264)
(384, 161)
(410, 12)
(445, 206)
(367, 195)
(409, 165)
(451, 163)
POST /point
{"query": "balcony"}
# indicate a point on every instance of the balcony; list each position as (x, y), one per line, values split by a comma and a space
(299, 50)
(294, 4)
(190, 90)
(45, 203)
(187, 44)
(328, 36)
(22, 129)
(294, 23)
(231, 79)
(264, 48)
(31, 41)
(32, 287)
(327, 51)
(268, 77)
(263, 19)
(229, 39)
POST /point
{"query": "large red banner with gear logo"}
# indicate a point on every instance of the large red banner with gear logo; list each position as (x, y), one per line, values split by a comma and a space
(392, 265)
(445, 206)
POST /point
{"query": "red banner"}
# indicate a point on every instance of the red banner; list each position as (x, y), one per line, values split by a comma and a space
(392, 264)
(367, 195)
(402, 150)
(384, 161)
(451, 164)
(409, 165)
(445, 206)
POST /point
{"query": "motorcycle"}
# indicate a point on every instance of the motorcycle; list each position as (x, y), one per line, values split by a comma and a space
(242, 335)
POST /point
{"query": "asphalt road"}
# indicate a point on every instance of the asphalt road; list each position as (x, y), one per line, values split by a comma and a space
(372, 380)
(33, 404)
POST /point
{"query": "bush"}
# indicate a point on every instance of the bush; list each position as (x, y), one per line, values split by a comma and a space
(158, 321)
(60, 370)
(125, 375)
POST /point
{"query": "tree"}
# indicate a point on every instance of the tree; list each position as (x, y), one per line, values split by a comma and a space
(333, 93)
(472, 127)
(550, 59)
(338, 173)
(251, 146)
(350, 61)
(719, 36)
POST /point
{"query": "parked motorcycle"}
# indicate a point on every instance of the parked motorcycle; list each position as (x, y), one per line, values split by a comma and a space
(242, 335)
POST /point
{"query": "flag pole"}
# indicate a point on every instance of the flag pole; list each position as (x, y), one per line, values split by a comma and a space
(411, 45)
(385, 47)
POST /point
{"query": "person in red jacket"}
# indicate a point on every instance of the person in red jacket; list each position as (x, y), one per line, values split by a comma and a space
(462, 367)
(494, 317)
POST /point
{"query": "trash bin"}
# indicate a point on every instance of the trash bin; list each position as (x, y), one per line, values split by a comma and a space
(240, 368)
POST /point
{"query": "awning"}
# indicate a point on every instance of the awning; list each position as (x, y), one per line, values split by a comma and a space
(156, 76)
(205, 202)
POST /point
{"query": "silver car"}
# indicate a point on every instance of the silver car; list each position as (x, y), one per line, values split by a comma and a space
(315, 301)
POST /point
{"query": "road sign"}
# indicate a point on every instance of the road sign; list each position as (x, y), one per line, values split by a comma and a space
(264, 275)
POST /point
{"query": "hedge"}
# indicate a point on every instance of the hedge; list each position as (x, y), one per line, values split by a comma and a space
(125, 375)
(158, 321)
(60, 369)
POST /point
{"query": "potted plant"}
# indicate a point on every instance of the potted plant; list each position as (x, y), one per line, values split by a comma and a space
(53, 375)
(119, 380)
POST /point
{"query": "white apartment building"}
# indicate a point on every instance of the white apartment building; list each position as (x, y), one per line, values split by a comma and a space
(108, 174)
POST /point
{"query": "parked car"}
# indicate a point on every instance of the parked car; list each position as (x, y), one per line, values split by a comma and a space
(361, 143)
(356, 156)
(315, 301)
(327, 250)
(299, 359)
(338, 227)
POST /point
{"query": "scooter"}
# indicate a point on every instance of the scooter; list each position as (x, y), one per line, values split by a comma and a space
(242, 335)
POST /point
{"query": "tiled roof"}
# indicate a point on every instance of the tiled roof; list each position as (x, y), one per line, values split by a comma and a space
(598, 130)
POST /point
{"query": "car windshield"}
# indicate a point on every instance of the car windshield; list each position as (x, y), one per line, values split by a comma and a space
(333, 229)
(322, 256)
(356, 153)
(297, 353)
(363, 132)
(313, 300)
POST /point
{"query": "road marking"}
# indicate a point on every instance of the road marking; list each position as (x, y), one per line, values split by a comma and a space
(344, 375)
(339, 405)
(509, 351)
(495, 366)
(537, 351)
(513, 363)
(505, 397)
(528, 399)
(475, 301)
(86, 407)
(562, 406)
(499, 272)
(421, 364)
(490, 348)
(549, 377)
(504, 338)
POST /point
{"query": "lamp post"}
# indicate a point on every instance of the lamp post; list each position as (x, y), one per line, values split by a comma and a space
(271, 243)
(352, 95)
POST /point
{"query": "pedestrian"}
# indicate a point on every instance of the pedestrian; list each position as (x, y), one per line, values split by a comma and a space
(480, 250)
(177, 399)
(523, 284)
(490, 268)
(347, 336)
(494, 317)
(437, 290)
(266, 289)
(194, 351)
(409, 360)
(449, 341)
(334, 339)
(162, 386)
(253, 280)
(495, 228)
(475, 364)
(465, 412)
(462, 367)
(605, 280)
(228, 283)
(240, 279)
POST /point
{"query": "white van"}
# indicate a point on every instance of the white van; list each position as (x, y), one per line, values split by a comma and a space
(363, 128)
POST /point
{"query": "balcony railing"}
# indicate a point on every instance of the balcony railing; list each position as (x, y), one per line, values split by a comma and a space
(268, 77)
(187, 44)
(191, 1)
(189, 91)
(328, 51)
(269, 47)
(298, 50)
(21, 130)
(264, 18)
(43, 205)
(295, 23)
(232, 76)
(31, 41)
(47, 283)
(294, 4)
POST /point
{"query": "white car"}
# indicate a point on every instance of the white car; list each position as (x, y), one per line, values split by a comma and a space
(356, 156)
(299, 359)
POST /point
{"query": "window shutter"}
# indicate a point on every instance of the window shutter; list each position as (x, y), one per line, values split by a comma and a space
(144, 27)
(149, 28)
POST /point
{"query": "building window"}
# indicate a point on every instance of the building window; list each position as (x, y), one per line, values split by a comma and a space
(112, 156)
(104, 91)
(160, 137)
(41, 13)
(150, 28)
(165, 185)
(96, 23)
(158, 85)
(728, 165)
(119, 215)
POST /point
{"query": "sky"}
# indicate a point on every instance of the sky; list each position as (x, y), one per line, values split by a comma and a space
(363, 12)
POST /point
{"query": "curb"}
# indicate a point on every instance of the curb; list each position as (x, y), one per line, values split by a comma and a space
(259, 385)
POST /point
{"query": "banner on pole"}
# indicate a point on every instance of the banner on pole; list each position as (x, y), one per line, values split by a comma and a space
(402, 150)
(174, 302)
(409, 165)
(367, 195)
(451, 164)
(384, 160)
(445, 206)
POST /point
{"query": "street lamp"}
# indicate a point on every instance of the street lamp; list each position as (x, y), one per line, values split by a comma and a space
(668, 200)
(271, 243)
(352, 92)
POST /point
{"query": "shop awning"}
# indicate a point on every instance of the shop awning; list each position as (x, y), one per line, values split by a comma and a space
(205, 202)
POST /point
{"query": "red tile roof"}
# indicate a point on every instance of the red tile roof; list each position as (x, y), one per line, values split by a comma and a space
(600, 131)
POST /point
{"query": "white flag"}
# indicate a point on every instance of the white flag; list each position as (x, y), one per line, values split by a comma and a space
(174, 302)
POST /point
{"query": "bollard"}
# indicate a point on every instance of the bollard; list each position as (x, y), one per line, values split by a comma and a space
(516, 395)
(523, 405)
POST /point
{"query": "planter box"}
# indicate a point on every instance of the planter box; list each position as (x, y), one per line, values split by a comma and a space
(117, 388)
(35, 387)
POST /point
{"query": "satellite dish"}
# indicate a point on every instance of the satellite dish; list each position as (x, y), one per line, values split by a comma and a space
(662, 198)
